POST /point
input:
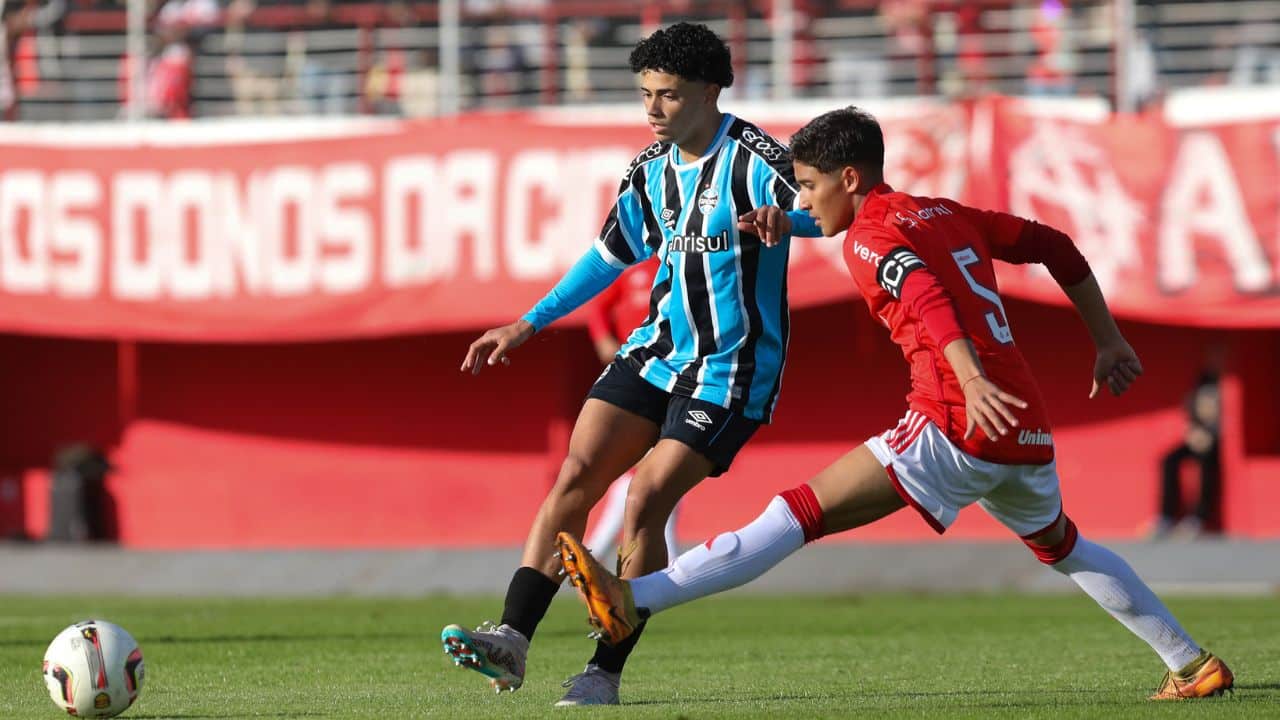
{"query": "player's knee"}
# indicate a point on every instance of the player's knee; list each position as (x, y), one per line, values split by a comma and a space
(648, 504)
(803, 505)
(575, 484)
(1053, 544)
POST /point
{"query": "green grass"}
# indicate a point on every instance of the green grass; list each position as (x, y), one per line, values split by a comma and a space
(879, 656)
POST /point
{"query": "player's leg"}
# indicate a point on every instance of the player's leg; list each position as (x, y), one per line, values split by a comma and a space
(658, 483)
(698, 439)
(1170, 490)
(1030, 504)
(604, 534)
(853, 491)
(617, 425)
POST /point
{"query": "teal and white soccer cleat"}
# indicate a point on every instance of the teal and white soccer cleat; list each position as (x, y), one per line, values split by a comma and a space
(592, 686)
(496, 651)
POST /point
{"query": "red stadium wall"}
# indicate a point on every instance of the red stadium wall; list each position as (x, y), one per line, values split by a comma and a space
(206, 309)
(384, 444)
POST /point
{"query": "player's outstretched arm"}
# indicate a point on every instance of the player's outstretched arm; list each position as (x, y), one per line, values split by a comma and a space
(492, 347)
(585, 280)
(1117, 365)
(986, 406)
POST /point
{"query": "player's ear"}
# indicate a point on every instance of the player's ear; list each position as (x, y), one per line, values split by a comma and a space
(712, 93)
(850, 178)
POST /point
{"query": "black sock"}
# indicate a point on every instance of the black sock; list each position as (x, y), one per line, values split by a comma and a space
(612, 658)
(528, 597)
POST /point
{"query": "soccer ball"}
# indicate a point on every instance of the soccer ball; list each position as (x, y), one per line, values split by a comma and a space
(93, 669)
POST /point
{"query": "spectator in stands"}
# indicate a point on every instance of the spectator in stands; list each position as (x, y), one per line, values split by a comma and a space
(256, 82)
(1200, 444)
(326, 81)
(420, 90)
(1257, 59)
(384, 80)
(1053, 69)
(179, 27)
(577, 59)
(14, 21)
(503, 67)
(910, 23)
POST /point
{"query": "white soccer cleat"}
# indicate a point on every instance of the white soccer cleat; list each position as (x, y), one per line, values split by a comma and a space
(496, 651)
(592, 686)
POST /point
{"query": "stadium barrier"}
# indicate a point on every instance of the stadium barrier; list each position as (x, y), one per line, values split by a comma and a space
(163, 251)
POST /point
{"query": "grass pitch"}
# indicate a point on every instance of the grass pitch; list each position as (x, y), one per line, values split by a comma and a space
(881, 656)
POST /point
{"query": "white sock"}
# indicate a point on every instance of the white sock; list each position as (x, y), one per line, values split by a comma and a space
(733, 559)
(1109, 580)
(669, 535)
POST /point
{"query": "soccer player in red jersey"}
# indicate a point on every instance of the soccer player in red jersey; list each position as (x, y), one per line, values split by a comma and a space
(611, 316)
(976, 429)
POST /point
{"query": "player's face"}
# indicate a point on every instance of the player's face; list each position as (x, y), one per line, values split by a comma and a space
(677, 109)
(827, 196)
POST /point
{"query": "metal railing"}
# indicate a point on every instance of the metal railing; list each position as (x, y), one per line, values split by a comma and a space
(430, 58)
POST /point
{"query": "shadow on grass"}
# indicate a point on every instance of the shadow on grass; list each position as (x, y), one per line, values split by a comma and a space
(183, 716)
(954, 699)
(149, 640)
(1257, 686)
(265, 638)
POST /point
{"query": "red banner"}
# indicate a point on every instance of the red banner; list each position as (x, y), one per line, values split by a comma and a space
(465, 223)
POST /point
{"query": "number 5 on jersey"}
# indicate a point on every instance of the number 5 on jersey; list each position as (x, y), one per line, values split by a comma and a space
(996, 320)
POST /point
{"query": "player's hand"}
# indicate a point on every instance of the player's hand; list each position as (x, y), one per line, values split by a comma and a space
(771, 223)
(493, 346)
(1117, 367)
(988, 407)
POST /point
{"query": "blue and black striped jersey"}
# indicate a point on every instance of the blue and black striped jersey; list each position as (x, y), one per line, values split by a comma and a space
(718, 322)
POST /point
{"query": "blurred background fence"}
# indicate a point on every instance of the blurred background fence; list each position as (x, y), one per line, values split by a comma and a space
(71, 59)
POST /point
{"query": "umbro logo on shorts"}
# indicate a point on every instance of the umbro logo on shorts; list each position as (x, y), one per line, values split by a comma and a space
(699, 419)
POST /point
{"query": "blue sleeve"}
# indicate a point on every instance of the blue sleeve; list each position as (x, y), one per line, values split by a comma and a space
(802, 224)
(776, 185)
(622, 240)
(584, 281)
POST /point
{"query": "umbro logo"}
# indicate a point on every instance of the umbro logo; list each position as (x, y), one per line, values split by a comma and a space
(669, 218)
(699, 419)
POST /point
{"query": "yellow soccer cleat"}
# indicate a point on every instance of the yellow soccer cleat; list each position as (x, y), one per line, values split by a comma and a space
(610, 607)
(1205, 677)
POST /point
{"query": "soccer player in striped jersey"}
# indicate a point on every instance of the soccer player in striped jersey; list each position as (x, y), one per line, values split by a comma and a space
(976, 429)
(692, 383)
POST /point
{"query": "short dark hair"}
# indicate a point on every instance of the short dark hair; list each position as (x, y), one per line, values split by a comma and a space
(845, 137)
(689, 50)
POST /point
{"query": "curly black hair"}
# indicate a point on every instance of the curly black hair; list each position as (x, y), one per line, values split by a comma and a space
(839, 138)
(689, 50)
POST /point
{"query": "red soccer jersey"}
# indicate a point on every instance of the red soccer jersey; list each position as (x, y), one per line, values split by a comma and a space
(924, 266)
(624, 305)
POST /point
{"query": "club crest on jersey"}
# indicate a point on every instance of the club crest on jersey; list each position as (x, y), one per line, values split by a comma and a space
(708, 200)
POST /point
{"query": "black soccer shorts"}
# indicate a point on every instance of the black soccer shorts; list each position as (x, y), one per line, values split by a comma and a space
(712, 431)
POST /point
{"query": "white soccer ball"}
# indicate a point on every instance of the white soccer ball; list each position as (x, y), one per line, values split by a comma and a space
(93, 669)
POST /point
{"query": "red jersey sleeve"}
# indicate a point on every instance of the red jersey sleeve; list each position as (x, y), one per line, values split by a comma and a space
(600, 313)
(1020, 241)
(887, 269)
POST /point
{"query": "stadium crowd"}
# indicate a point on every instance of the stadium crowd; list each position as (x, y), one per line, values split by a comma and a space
(268, 57)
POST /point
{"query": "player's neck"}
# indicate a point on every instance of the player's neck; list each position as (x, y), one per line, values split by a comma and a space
(860, 197)
(697, 144)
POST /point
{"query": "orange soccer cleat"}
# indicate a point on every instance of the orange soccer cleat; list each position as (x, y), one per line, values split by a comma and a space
(610, 607)
(1205, 677)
